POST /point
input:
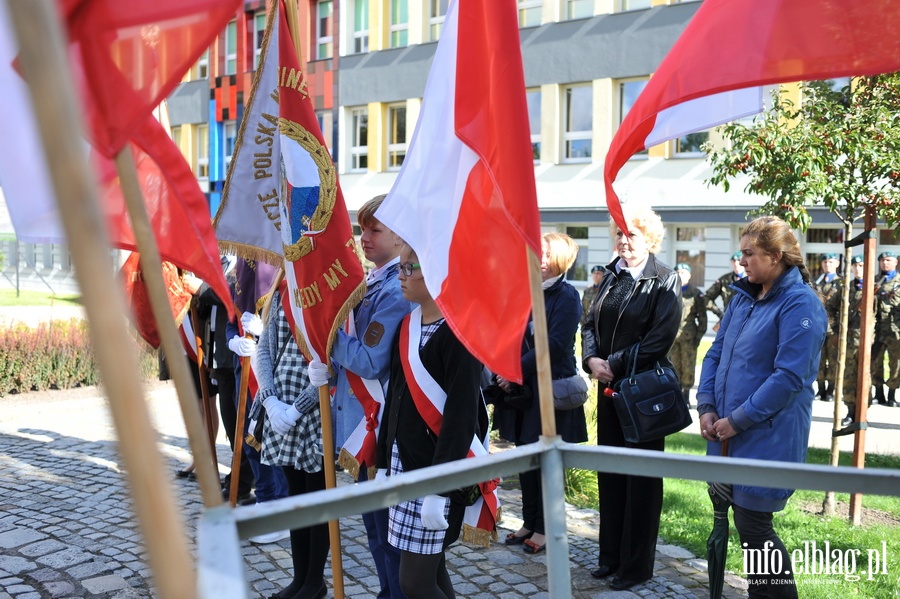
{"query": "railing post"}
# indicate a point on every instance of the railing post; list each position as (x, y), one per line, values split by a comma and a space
(553, 490)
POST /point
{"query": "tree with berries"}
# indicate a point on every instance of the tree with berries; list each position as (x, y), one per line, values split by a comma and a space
(837, 147)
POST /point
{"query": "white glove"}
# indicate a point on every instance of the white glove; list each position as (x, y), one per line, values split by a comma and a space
(317, 373)
(273, 406)
(242, 346)
(252, 324)
(283, 421)
(433, 512)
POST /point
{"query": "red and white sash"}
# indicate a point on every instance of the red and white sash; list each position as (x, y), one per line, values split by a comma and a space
(188, 338)
(360, 448)
(479, 523)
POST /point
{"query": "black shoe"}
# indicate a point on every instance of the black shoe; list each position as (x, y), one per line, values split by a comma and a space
(848, 419)
(620, 584)
(603, 572)
(893, 404)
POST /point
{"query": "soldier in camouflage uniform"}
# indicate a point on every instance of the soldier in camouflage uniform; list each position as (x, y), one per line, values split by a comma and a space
(690, 332)
(828, 284)
(590, 293)
(887, 330)
(851, 359)
(722, 288)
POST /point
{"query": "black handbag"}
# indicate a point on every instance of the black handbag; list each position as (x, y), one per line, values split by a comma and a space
(650, 404)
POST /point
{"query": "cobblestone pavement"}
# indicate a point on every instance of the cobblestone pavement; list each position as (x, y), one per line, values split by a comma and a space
(67, 529)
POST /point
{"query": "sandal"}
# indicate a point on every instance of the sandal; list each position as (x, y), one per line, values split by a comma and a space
(532, 547)
(513, 539)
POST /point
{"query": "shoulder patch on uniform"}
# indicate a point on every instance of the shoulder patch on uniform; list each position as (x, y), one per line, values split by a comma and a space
(806, 323)
(374, 333)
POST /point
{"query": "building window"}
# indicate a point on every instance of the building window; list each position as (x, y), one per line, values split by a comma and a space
(687, 240)
(231, 48)
(636, 4)
(628, 94)
(259, 33)
(203, 65)
(691, 144)
(326, 126)
(359, 140)
(437, 11)
(361, 26)
(396, 129)
(579, 9)
(229, 136)
(533, 98)
(324, 35)
(579, 123)
(176, 136)
(529, 13)
(579, 270)
(201, 145)
(399, 23)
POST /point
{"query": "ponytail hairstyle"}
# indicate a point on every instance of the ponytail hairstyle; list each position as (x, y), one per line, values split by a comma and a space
(772, 235)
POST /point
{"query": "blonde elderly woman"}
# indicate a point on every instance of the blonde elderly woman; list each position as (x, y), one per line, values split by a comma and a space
(521, 426)
(637, 309)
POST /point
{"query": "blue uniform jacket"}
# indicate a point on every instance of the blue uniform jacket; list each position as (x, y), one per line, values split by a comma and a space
(367, 355)
(759, 373)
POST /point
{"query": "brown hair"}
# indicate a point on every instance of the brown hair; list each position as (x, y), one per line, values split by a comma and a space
(365, 216)
(563, 251)
(772, 235)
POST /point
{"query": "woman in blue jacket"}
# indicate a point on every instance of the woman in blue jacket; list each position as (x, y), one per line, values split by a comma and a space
(756, 387)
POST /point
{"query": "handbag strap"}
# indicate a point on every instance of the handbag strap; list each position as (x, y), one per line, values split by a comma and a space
(634, 357)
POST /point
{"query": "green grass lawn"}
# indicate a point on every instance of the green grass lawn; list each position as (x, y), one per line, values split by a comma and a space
(36, 298)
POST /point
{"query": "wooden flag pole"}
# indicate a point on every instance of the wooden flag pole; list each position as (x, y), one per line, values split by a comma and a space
(542, 351)
(43, 58)
(239, 430)
(334, 529)
(203, 376)
(151, 266)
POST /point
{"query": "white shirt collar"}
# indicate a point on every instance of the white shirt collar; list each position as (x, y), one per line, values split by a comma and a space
(636, 271)
(376, 273)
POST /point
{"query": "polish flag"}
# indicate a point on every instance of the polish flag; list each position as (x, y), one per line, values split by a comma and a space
(714, 72)
(465, 198)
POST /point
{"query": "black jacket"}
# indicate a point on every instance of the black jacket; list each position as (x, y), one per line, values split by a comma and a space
(650, 315)
(563, 309)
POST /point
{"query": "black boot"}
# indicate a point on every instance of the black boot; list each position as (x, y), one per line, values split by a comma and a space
(687, 395)
(891, 402)
(820, 390)
(879, 394)
(850, 418)
(828, 395)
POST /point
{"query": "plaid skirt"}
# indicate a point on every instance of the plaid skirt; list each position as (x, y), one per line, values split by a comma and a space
(405, 530)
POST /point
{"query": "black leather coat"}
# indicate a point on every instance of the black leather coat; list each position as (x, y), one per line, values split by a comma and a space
(651, 314)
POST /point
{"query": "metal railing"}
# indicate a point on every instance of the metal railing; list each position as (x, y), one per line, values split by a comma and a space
(221, 565)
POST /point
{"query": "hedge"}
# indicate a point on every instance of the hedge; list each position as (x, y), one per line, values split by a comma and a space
(54, 355)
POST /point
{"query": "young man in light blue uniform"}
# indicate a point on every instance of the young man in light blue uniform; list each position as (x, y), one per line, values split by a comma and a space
(367, 355)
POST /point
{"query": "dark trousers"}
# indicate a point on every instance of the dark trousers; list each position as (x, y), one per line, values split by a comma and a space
(532, 501)
(758, 535)
(385, 555)
(630, 506)
(225, 382)
(309, 546)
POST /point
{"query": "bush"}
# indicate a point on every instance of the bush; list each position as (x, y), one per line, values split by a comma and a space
(55, 355)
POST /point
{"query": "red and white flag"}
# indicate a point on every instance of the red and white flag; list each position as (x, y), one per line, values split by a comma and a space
(24, 179)
(323, 271)
(465, 198)
(730, 48)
